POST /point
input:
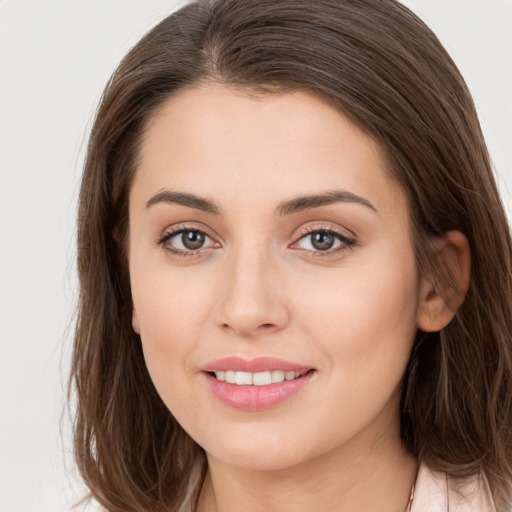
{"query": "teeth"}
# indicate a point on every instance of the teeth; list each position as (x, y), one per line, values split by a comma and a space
(255, 379)
(262, 378)
(277, 376)
(243, 378)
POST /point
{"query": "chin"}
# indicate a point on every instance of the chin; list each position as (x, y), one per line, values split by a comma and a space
(257, 459)
(272, 451)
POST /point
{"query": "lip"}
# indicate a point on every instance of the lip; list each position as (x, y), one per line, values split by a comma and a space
(259, 364)
(255, 398)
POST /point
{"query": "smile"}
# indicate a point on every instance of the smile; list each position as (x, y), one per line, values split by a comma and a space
(258, 384)
(255, 379)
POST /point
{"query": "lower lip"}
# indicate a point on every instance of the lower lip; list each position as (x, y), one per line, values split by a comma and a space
(256, 398)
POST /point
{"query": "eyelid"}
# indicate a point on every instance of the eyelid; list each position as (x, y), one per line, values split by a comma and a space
(347, 238)
(171, 231)
(324, 226)
(188, 225)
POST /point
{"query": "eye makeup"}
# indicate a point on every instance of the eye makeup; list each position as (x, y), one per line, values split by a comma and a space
(316, 241)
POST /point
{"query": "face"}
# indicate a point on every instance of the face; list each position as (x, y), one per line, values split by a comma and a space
(273, 278)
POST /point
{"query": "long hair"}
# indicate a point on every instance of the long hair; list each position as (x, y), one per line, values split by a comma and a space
(387, 72)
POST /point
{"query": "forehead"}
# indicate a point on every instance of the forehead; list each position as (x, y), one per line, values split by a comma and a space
(217, 140)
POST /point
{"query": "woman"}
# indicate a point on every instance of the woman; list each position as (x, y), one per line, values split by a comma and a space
(295, 280)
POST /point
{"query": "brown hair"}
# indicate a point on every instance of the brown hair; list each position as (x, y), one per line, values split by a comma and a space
(384, 69)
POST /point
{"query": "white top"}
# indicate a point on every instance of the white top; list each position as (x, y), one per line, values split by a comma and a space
(436, 492)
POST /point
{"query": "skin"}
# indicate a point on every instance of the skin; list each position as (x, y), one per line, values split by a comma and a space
(258, 287)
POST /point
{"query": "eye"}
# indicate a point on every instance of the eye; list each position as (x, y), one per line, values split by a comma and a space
(320, 241)
(326, 241)
(186, 241)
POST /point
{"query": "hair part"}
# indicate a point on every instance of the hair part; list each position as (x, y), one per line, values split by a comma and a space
(387, 72)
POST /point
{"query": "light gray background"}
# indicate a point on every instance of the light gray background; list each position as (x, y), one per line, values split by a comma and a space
(55, 57)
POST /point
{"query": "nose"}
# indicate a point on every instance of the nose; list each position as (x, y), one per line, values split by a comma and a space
(252, 297)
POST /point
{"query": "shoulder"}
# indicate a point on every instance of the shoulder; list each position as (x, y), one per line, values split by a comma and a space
(436, 492)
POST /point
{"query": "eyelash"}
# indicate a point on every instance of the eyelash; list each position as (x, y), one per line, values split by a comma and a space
(179, 252)
(347, 243)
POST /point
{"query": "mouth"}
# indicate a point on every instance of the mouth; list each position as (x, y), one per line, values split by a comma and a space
(258, 384)
(265, 378)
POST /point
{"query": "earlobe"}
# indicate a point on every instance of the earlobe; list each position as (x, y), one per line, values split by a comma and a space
(443, 294)
(135, 320)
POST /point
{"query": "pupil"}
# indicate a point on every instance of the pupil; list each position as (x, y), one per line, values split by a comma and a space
(322, 241)
(192, 239)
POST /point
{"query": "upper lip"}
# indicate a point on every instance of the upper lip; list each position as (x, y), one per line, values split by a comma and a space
(259, 364)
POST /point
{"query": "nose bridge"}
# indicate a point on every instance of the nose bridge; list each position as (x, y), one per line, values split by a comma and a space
(251, 300)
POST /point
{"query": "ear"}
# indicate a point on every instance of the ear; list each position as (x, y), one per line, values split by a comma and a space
(442, 294)
(135, 319)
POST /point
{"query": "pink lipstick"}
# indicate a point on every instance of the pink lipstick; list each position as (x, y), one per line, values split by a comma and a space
(257, 384)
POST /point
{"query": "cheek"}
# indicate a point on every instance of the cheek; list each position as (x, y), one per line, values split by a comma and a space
(172, 313)
(170, 303)
(364, 317)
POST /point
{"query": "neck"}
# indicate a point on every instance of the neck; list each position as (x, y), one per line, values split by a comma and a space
(361, 475)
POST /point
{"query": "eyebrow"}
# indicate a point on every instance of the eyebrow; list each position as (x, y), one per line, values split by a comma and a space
(289, 207)
(184, 199)
(300, 204)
